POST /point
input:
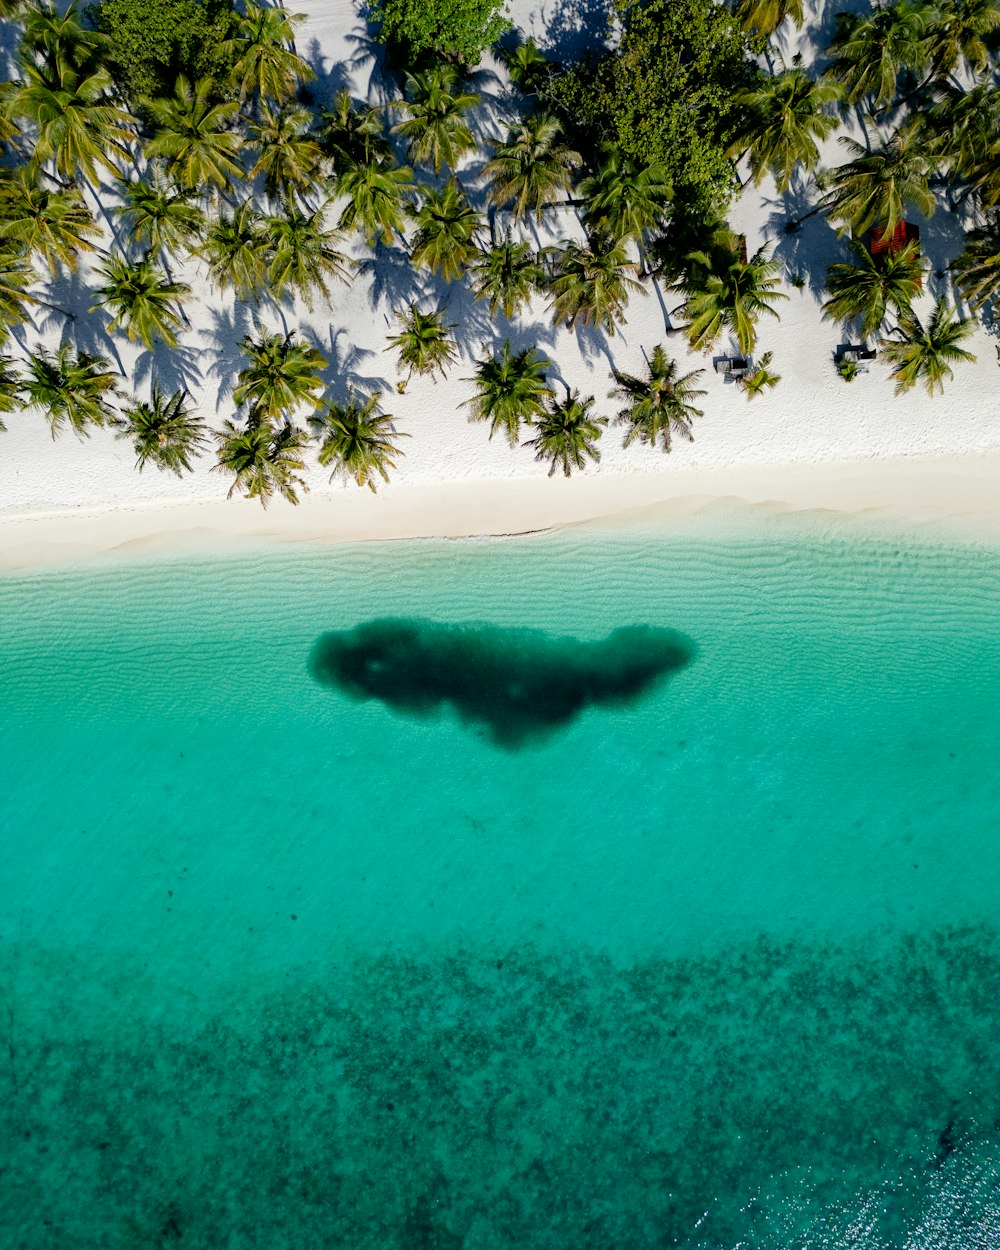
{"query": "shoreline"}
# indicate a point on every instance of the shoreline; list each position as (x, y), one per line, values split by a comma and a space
(946, 496)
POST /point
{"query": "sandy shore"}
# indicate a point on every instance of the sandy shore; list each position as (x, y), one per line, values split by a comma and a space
(938, 495)
(815, 442)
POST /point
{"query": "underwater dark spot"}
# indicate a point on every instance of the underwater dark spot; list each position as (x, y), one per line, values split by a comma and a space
(519, 685)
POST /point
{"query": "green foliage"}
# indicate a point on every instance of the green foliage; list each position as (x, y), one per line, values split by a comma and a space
(848, 369)
(357, 441)
(664, 94)
(150, 42)
(462, 29)
(761, 379)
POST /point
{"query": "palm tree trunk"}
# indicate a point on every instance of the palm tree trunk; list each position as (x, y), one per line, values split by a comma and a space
(792, 226)
(54, 307)
(170, 278)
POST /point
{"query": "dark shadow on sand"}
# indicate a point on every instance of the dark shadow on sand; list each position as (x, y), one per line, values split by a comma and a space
(519, 685)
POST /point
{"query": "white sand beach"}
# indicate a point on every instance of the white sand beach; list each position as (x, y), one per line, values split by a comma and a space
(813, 442)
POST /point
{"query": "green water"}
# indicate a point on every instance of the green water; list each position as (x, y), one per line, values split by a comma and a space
(715, 965)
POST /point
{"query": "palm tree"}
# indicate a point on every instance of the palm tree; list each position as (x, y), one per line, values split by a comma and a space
(977, 269)
(357, 440)
(424, 343)
(70, 390)
(865, 290)
(263, 51)
(532, 167)
(141, 299)
(591, 284)
(77, 128)
(262, 460)
(781, 124)
(53, 223)
(194, 136)
(926, 353)
(281, 375)
(350, 137)
(163, 431)
(958, 35)
(763, 17)
(436, 131)
(10, 388)
(55, 39)
(447, 226)
(871, 50)
(528, 68)
(288, 157)
(236, 248)
(624, 198)
(160, 216)
(510, 388)
(16, 276)
(375, 191)
(657, 407)
(567, 433)
(507, 275)
(724, 291)
(960, 128)
(303, 256)
(876, 186)
(761, 379)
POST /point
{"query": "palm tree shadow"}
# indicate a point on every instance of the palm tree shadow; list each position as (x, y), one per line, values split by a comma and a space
(230, 326)
(470, 316)
(395, 282)
(573, 28)
(331, 77)
(174, 368)
(942, 238)
(344, 358)
(809, 250)
(594, 343)
(382, 83)
(86, 330)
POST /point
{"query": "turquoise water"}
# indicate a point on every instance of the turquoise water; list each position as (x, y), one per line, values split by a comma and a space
(712, 961)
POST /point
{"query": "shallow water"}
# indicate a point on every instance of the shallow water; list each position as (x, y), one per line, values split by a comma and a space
(713, 961)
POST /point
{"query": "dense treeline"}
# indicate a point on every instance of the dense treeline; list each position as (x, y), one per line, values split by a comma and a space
(196, 124)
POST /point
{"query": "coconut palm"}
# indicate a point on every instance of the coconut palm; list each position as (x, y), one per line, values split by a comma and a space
(357, 440)
(532, 167)
(140, 298)
(507, 275)
(958, 35)
(194, 136)
(528, 68)
(875, 187)
(960, 130)
(303, 258)
(263, 461)
(236, 248)
(350, 137)
(376, 190)
(70, 390)
(865, 290)
(870, 50)
(10, 388)
(925, 353)
(162, 217)
(55, 39)
(977, 268)
(763, 17)
(781, 124)
(77, 128)
(435, 128)
(760, 379)
(447, 226)
(724, 291)
(281, 375)
(510, 388)
(288, 157)
(567, 433)
(263, 52)
(16, 277)
(164, 431)
(50, 222)
(424, 343)
(591, 283)
(659, 406)
(624, 198)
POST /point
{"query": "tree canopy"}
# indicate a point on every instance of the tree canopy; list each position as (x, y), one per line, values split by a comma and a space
(664, 93)
(150, 42)
(462, 29)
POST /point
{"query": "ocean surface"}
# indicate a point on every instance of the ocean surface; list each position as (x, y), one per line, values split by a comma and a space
(620, 889)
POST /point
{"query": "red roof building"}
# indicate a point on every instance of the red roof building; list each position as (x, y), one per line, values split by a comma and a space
(905, 232)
